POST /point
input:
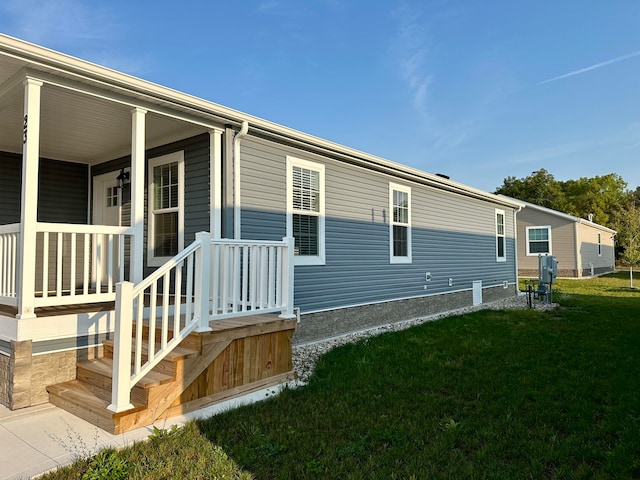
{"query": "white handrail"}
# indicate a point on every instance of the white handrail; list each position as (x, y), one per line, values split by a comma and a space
(219, 278)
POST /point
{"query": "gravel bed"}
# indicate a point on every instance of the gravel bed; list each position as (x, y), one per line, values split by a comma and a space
(305, 356)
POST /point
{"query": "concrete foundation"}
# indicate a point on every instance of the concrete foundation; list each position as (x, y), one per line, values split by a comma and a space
(331, 323)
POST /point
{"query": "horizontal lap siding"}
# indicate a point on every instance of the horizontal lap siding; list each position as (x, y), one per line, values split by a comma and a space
(10, 184)
(62, 190)
(196, 188)
(563, 239)
(452, 236)
(588, 236)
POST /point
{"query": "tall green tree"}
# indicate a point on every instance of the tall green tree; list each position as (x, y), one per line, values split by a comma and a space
(599, 196)
(540, 188)
(629, 237)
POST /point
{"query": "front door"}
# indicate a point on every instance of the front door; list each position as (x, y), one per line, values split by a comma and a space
(107, 210)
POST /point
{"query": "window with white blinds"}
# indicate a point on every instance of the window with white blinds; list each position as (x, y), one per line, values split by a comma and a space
(305, 212)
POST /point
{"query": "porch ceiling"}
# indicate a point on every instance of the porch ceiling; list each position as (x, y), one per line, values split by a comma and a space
(79, 127)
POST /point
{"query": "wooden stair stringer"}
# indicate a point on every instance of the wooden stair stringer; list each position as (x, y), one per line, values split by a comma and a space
(160, 398)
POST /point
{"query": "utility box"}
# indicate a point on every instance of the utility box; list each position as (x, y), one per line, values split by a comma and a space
(547, 269)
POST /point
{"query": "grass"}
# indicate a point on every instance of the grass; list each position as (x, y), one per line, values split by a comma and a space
(492, 394)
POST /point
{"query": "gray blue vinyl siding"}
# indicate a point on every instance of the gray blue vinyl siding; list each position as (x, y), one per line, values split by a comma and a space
(63, 190)
(452, 236)
(196, 189)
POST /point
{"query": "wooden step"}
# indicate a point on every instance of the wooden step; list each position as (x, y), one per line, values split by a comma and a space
(99, 372)
(88, 402)
(178, 353)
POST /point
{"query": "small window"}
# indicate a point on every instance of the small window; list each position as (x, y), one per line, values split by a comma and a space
(165, 208)
(112, 196)
(599, 244)
(400, 224)
(538, 240)
(305, 210)
(500, 238)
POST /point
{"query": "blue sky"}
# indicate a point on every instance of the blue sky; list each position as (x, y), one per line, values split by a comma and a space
(478, 90)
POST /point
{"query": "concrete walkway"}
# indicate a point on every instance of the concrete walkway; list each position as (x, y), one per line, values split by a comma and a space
(38, 439)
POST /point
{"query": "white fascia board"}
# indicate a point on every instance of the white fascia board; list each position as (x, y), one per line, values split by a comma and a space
(139, 89)
(563, 215)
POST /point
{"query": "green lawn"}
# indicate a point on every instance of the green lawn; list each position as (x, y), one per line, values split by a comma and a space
(492, 394)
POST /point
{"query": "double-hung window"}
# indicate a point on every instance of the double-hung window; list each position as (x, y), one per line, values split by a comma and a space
(400, 224)
(165, 236)
(539, 240)
(305, 210)
(599, 244)
(500, 238)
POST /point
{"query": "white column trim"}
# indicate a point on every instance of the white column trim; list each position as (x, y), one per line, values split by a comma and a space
(215, 182)
(29, 210)
(137, 192)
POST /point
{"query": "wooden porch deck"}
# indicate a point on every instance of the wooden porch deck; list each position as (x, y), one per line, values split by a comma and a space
(238, 356)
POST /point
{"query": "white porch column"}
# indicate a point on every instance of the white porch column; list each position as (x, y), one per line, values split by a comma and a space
(215, 182)
(29, 211)
(137, 192)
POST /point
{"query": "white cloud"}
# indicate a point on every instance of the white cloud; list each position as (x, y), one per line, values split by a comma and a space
(591, 67)
(412, 50)
(57, 21)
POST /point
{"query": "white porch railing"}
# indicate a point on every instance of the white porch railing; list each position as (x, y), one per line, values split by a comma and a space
(239, 278)
(78, 263)
(8, 263)
(73, 263)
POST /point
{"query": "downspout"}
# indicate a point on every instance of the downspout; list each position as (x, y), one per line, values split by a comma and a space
(236, 179)
(515, 243)
(576, 232)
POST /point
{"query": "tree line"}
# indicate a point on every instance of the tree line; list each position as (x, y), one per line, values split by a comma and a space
(606, 198)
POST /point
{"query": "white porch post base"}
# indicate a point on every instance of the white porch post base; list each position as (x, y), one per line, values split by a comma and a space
(287, 279)
(203, 282)
(121, 387)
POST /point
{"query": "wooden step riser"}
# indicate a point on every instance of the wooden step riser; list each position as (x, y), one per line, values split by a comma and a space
(165, 366)
(238, 353)
(99, 418)
(192, 341)
(138, 394)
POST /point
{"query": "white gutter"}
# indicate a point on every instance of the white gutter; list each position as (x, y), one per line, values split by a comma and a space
(515, 241)
(236, 179)
(86, 72)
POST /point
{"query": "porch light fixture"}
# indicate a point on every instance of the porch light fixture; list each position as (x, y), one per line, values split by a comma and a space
(122, 178)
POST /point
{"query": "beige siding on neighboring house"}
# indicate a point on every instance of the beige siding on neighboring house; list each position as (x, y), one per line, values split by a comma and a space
(588, 252)
(563, 242)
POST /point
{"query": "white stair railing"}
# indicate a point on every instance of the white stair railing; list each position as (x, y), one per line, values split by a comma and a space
(211, 279)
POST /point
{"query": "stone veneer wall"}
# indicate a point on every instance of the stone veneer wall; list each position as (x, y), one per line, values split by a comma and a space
(331, 323)
(24, 377)
(4, 379)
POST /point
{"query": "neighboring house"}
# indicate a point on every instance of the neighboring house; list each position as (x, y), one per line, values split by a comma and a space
(106, 177)
(583, 248)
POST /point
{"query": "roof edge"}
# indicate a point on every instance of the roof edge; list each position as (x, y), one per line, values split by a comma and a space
(72, 65)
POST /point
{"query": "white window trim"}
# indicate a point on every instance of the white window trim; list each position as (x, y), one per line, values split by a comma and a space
(319, 167)
(599, 244)
(503, 235)
(393, 258)
(548, 227)
(152, 260)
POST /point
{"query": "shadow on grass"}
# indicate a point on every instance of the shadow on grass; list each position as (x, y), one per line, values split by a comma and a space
(492, 394)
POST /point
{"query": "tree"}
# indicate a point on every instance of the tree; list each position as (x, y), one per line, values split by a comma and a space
(540, 188)
(599, 196)
(629, 237)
